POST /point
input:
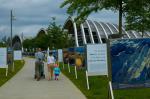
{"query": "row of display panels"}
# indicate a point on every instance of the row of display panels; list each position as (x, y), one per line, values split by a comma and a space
(4, 57)
(125, 61)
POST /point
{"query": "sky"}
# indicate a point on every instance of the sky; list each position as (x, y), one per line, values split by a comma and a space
(32, 15)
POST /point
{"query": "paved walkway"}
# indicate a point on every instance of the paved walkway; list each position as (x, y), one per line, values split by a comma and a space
(23, 86)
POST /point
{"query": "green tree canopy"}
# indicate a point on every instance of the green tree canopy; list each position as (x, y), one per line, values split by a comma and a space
(55, 38)
(2, 44)
(138, 15)
(81, 9)
(136, 11)
(29, 43)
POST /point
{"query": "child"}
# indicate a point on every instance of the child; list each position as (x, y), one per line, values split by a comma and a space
(56, 70)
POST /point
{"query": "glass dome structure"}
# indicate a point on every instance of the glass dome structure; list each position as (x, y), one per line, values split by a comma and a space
(93, 32)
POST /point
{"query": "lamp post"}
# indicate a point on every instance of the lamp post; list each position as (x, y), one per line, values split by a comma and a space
(22, 42)
(11, 45)
(11, 29)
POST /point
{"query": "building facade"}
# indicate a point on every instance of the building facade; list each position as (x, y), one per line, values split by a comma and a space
(93, 32)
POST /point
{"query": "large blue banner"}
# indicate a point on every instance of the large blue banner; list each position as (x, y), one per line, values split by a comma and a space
(130, 63)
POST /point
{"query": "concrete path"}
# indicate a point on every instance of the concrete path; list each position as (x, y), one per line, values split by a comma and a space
(23, 86)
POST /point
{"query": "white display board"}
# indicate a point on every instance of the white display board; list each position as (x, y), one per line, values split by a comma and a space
(17, 55)
(60, 55)
(97, 59)
(3, 57)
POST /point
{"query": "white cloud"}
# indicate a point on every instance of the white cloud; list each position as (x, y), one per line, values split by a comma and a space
(29, 31)
(31, 15)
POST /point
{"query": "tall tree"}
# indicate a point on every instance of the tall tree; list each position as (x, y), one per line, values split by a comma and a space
(83, 8)
(138, 15)
(29, 43)
(40, 41)
(116, 5)
(57, 37)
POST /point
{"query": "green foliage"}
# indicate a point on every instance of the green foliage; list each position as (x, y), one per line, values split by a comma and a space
(2, 44)
(82, 8)
(138, 15)
(40, 41)
(29, 43)
(55, 38)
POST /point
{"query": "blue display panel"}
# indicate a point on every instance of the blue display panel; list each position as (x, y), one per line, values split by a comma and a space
(130, 60)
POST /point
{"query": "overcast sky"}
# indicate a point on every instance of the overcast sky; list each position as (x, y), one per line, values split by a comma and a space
(31, 15)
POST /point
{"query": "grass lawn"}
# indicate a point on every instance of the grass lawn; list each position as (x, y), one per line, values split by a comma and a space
(3, 78)
(138, 93)
(31, 56)
(99, 87)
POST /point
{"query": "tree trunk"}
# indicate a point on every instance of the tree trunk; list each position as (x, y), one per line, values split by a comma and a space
(120, 16)
(142, 32)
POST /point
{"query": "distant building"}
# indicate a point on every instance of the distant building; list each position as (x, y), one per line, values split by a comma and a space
(41, 32)
(17, 42)
(94, 32)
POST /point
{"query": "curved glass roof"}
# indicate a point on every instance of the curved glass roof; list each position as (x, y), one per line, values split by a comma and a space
(97, 32)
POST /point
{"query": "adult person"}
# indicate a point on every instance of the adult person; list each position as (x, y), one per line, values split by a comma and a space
(39, 56)
(50, 65)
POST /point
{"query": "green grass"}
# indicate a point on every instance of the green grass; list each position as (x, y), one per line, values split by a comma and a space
(31, 56)
(99, 87)
(3, 78)
(137, 93)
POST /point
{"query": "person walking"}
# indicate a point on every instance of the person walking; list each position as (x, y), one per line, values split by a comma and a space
(39, 56)
(56, 70)
(50, 65)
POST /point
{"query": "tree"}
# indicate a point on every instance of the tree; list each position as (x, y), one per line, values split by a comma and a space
(83, 8)
(41, 41)
(116, 5)
(28, 43)
(2, 44)
(138, 15)
(57, 37)
(136, 12)
(36, 42)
